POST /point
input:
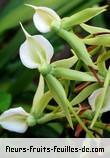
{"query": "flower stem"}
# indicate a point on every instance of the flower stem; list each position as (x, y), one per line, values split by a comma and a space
(59, 115)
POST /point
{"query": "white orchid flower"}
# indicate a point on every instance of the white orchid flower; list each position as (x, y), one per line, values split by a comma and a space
(92, 100)
(44, 17)
(35, 51)
(14, 119)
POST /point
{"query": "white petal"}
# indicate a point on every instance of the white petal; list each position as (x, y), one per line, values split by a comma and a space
(27, 53)
(46, 46)
(34, 49)
(44, 17)
(93, 97)
(14, 120)
(15, 125)
(27, 57)
(14, 111)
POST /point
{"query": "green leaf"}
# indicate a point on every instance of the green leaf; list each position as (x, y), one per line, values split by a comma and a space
(86, 4)
(23, 13)
(58, 127)
(99, 21)
(5, 101)
(9, 51)
(68, 6)
(43, 131)
(10, 6)
(22, 80)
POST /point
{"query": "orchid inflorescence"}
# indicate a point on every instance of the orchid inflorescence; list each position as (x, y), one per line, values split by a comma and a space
(36, 53)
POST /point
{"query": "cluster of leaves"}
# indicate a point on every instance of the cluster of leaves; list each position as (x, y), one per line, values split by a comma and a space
(17, 83)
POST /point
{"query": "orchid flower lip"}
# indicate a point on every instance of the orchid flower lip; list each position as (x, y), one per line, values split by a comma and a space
(40, 47)
(92, 98)
(35, 51)
(14, 119)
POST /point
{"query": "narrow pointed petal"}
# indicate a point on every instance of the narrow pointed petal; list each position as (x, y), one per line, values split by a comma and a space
(66, 63)
(32, 6)
(100, 40)
(44, 17)
(107, 105)
(14, 120)
(25, 32)
(59, 95)
(38, 95)
(82, 16)
(93, 97)
(94, 30)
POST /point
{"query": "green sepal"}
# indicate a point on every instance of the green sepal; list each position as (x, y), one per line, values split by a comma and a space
(84, 94)
(98, 40)
(72, 75)
(100, 102)
(59, 95)
(94, 30)
(65, 63)
(101, 63)
(81, 17)
(77, 45)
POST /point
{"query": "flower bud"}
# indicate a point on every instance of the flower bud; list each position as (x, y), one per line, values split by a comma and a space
(44, 17)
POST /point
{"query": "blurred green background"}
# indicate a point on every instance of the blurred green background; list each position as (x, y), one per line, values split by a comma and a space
(17, 83)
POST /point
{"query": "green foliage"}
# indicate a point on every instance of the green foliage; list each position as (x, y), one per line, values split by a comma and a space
(5, 101)
(18, 84)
